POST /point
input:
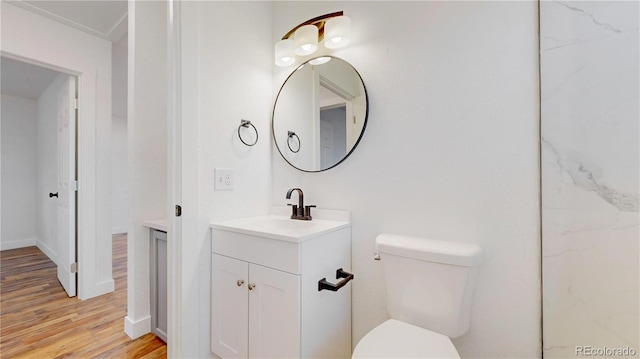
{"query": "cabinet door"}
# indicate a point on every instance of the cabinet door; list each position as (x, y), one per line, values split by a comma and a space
(229, 307)
(274, 313)
(159, 284)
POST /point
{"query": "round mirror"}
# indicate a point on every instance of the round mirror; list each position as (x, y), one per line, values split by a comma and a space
(320, 114)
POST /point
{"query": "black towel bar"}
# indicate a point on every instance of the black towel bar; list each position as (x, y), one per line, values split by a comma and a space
(323, 284)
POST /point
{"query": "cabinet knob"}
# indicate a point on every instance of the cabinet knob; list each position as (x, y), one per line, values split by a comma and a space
(240, 282)
(251, 286)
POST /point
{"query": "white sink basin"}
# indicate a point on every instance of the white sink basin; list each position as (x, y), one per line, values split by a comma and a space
(282, 227)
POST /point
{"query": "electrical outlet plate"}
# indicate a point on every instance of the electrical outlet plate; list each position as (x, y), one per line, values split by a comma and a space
(224, 179)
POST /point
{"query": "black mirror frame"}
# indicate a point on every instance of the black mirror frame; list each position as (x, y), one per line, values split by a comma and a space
(355, 145)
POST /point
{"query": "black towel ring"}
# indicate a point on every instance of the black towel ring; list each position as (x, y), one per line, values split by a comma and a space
(290, 135)
(246, 124)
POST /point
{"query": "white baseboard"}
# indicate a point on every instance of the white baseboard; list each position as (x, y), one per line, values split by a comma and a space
(27, 242)
(101, 288)
(47, 251)
(105, 287)
(136, 329)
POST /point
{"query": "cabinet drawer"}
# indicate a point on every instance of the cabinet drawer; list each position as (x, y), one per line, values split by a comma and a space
(272, 253)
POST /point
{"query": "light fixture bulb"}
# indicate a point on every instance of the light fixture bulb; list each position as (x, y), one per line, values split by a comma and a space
(306, 40)
(285, 56)
(337, 31)
(320, 60)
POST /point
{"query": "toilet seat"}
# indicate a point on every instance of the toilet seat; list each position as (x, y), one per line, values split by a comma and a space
(396, 339)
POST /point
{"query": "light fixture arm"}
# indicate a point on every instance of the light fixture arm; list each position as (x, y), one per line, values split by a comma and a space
(317, 21)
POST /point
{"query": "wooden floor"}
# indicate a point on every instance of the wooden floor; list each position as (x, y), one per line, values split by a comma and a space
(38, 319)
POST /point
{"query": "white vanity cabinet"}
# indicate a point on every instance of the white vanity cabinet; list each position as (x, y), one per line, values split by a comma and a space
(266, 301)
(257, 310)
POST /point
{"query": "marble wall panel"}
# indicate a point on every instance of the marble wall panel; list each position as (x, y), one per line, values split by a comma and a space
(590, 176)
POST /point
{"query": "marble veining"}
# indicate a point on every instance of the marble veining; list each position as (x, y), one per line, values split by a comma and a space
(590, 164)
(568, 250)
(582, 12)
(584, 178)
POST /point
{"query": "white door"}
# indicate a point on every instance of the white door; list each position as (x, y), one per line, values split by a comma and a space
(66, 169)
(326, 144)
(229, 307)
(274, 313)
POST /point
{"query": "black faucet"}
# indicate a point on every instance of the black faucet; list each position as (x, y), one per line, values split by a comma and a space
(300, 211)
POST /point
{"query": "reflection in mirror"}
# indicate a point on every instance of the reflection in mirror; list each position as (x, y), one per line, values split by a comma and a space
(325, 105)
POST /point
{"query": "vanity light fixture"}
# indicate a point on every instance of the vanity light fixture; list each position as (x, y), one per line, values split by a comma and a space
(285, 55)
(337, 31)
(306, 40)
(303, 40)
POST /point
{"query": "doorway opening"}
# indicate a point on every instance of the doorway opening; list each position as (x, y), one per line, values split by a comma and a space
(39, 156)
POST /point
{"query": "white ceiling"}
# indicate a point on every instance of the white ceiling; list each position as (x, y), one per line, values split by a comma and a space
(105, 19)
(24, 80)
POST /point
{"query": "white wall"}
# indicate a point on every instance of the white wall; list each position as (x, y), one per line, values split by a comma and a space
(229, 76)
(147, 149)
(19, 168)
(120, 212)
(450, 152)
(34, 38)
(47, 149)
(590, 175)
(119, 176)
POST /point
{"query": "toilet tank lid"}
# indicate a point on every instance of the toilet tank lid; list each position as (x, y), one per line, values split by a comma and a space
(432, 250)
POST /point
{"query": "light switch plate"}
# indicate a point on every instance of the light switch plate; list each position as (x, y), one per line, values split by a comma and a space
(224, 179)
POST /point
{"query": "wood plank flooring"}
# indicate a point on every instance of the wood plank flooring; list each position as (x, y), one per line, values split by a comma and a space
(38, 319)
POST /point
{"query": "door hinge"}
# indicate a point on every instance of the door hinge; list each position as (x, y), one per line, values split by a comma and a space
(74, 186)
(74, 267)
(178, 211)
(75, 103)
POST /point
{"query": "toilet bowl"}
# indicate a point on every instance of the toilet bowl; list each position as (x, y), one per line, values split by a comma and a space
(396, 339)
(430, 287)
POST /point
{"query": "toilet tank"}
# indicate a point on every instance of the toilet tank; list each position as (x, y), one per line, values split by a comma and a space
(429, 282)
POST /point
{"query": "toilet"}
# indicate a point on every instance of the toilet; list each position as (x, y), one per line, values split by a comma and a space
(430, 287)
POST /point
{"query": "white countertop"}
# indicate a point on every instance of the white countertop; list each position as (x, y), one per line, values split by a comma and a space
(282, 227)
(159, 224)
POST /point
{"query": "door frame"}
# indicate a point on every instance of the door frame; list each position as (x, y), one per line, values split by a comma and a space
(76, 142)
(89, 59)
(182, 176)
(174, 181)
(87, 226)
